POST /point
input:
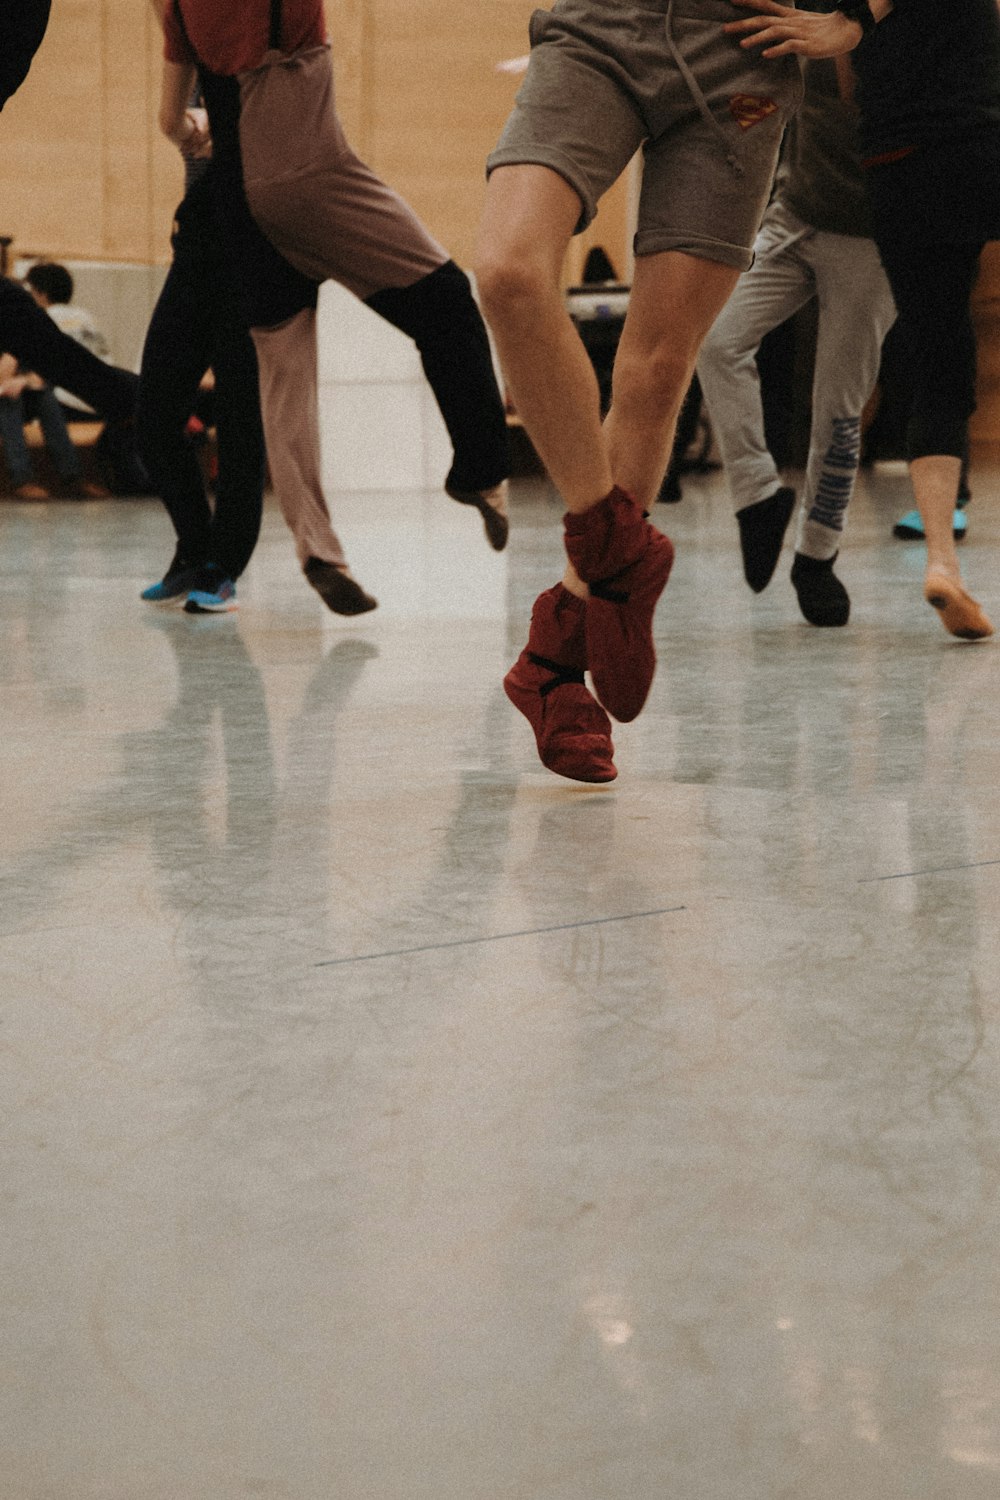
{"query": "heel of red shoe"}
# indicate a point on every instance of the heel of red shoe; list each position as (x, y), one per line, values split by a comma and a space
(619, 625)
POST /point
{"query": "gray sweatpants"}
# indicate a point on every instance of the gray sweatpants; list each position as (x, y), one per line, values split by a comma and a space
(793, 264)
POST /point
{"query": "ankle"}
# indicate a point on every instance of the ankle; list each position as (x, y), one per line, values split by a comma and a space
(942, 563)
(603, 540)
(582, 504)
(803, 563)
(574, 585)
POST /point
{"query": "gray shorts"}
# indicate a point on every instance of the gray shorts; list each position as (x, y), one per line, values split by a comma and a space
(609, 76)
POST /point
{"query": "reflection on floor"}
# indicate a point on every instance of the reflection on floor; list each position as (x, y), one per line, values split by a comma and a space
(387, 1119)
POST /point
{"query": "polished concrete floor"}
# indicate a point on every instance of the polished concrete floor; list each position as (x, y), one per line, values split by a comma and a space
(388, 1119)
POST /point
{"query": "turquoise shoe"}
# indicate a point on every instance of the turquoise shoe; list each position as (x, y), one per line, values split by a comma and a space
(177, 581)
(213, 593)
(910, 528)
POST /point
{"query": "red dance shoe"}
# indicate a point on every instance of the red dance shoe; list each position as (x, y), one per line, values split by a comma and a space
(572, 731)
(625, 563)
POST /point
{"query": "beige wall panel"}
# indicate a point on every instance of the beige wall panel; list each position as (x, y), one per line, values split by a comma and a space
(346, 20)
(50, 164)
(84, 172)
(436, 105)
(129, 79)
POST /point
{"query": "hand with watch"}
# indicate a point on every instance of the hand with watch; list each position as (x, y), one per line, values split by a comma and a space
(780, 30)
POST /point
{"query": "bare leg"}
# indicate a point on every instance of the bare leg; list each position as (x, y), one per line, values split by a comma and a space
(675, 299)
(530, 216)
(935, 485)
(527, 224)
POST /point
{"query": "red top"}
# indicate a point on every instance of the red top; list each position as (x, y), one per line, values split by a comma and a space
(231, 35)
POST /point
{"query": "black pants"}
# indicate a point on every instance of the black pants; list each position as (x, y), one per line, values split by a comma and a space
(440, 314)
(27, 332)
(22, 28)
(199, 323)
(934, 210)
(933, 286)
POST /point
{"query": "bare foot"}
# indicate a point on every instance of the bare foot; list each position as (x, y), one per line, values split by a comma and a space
(960, 614)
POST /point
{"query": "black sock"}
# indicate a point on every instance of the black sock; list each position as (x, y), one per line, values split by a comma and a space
(762, 532)
(823, 599)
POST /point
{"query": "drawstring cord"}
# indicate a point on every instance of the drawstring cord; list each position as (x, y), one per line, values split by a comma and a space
(694, 89)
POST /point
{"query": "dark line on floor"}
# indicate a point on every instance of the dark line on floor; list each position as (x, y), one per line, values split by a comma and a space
(979, 864)
(498, 937)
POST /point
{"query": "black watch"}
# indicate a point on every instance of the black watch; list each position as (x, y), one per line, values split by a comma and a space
(860, 11)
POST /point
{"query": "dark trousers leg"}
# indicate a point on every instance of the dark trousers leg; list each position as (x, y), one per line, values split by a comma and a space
(932, 286)
(440, 314)
(15, 449)
(239, 496)
(27, 332)
(197, 325)
(44, 407)
(174, 359)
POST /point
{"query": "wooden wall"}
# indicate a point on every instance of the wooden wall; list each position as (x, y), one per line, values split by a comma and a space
(423, 103)
(84, 172)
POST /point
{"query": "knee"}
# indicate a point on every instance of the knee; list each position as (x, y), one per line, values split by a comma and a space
(511, 285)
(437, 306)
(729, 342)
(661, 374)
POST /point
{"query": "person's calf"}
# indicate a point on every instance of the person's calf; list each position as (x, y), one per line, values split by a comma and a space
(642, 422)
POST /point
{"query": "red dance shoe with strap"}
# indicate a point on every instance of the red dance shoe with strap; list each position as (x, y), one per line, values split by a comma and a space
(572, 731)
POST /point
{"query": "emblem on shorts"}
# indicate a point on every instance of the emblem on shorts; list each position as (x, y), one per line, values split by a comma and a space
(749, 109)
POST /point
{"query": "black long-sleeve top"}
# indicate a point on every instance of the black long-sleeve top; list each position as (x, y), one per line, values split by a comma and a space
(929, 72)
(22, 26)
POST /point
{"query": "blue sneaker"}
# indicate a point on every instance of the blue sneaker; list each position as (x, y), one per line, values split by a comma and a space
(179, 578)
(212, 594)
(910, 528)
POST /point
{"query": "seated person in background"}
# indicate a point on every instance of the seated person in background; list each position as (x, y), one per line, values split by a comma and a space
(25, 331)
(32, 338)
(51, 285)
(51, 288)
(25, 397)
